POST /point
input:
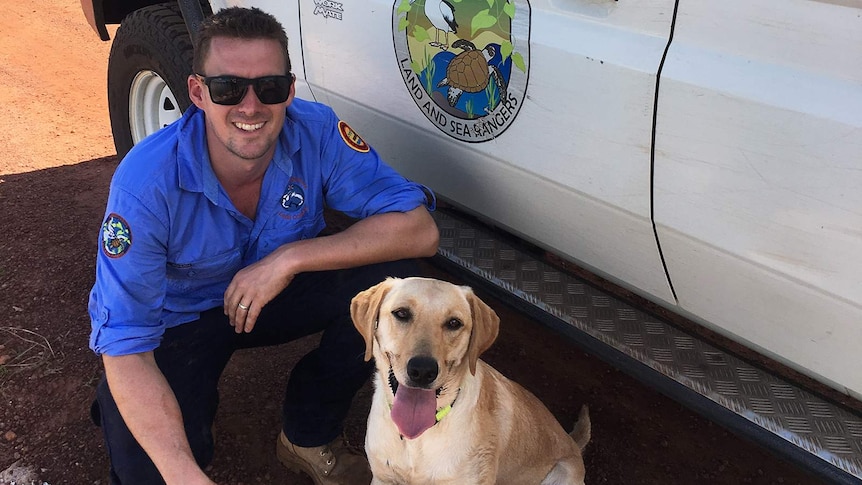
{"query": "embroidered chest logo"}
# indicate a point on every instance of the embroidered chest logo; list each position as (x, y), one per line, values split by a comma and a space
(293, 198)
(464, 63)
(116, 236)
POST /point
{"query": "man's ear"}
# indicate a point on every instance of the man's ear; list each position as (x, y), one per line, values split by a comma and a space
(365, 309)
(196, 90)
(292, 90)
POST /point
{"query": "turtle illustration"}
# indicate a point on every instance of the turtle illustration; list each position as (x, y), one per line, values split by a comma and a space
(470, 71)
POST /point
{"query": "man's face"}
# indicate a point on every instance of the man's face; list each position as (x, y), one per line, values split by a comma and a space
(250, 129)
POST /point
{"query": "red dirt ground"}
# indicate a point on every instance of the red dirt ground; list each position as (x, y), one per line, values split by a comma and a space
(57, 159)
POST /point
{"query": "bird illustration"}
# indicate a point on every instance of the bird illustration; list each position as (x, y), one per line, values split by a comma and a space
(441, 13)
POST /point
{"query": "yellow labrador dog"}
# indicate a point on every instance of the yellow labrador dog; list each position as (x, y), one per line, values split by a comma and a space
(440, 415)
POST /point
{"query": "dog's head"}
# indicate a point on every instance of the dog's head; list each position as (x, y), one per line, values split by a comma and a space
(424, 333)
(416, 318)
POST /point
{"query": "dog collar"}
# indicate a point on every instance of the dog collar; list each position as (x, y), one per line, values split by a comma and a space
(442, 412)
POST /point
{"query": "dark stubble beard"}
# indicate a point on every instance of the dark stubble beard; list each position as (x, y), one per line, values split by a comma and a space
(232, 148)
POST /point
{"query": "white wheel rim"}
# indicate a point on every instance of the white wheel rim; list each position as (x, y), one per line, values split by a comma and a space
(152, 105)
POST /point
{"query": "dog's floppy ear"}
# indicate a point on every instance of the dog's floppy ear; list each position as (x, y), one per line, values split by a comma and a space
(364, 310)
(486, 326)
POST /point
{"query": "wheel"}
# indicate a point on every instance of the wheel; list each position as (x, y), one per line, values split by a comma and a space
(149, 63)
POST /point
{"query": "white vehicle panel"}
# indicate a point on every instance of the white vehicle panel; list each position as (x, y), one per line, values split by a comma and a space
(757, 175)
(571, 172)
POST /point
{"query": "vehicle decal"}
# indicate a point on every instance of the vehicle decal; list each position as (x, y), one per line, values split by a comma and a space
(116, 236)
(465, 63)
(352, 138)
(328, 9)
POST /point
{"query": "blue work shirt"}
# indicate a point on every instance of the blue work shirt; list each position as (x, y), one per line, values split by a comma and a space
(172, 240)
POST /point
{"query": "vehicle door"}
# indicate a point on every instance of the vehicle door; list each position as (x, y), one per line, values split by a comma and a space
(758, 171)
(536, 116)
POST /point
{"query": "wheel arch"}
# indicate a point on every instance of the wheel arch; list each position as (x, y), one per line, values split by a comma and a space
(101, 13)
(150, 61)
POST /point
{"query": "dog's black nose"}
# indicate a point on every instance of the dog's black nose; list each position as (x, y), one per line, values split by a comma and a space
(422, 371)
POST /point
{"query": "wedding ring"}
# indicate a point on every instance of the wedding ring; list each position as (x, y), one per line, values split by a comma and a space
(242, 307)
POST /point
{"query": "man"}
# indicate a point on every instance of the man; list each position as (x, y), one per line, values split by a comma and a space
(211, 243)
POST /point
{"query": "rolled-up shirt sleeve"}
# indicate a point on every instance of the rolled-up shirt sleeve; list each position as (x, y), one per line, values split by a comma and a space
(128, 296)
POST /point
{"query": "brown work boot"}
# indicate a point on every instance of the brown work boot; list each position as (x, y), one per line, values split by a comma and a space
(332, 464)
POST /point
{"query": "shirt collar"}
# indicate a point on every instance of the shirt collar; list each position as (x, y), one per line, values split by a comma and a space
(195, 170)
(288, 143)
(193, 161)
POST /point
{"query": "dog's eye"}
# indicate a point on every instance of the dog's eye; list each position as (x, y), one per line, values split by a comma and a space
(454, 324)
(402, 314)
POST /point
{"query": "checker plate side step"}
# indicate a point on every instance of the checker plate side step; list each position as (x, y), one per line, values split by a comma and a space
(819, 435)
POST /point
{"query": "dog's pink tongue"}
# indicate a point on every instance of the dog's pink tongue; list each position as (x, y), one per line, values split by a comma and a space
(414, 410)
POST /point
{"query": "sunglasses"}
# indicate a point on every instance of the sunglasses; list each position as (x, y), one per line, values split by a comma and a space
(230, 90)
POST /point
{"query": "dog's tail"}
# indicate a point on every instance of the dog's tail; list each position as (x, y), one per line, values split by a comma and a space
(583, 429)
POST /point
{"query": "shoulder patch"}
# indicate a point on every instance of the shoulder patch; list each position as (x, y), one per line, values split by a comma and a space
(352, 139)
(116, 236)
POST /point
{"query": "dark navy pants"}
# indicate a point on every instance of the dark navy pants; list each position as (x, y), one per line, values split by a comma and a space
(319, 392)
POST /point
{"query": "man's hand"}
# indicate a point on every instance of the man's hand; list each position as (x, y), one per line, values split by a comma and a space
(383, 237)
(252, 288)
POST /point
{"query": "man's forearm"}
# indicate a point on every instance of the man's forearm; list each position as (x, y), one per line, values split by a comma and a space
(150, 410)
(384, 237)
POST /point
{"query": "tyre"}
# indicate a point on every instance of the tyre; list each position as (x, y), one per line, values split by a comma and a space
(148, 67)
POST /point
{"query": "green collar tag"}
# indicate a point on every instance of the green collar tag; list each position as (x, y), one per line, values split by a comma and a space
(442, 413)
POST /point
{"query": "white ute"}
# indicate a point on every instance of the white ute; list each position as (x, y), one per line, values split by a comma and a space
(705, 155)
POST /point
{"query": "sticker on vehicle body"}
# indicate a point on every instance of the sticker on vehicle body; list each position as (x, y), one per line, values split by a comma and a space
(466, 63)
(329, 9)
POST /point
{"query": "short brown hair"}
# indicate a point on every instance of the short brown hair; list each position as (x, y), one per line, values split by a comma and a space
(238, 23)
